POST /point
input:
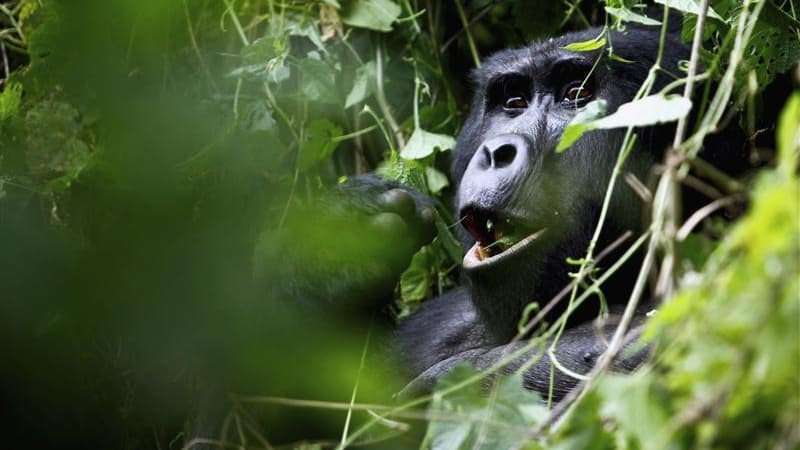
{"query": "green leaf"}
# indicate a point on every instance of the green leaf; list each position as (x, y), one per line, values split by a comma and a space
(319, 80)
(363, 86)
(581, 123)
(646, 111)
(9, 101)
(689, 6)
(788, 139)
(375, 15)
(417, 278)
(449, 242)
(56, 143)
(319, 143)
(631, 402)
(497, 420)
(587, 46)
(616, 57)
(257, 116)
(436, 180)
(626, 15)
(264, 49)
(423, 143)
(650, 110)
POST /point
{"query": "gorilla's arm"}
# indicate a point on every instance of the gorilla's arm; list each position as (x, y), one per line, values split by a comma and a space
(347, 249)
(446, 332)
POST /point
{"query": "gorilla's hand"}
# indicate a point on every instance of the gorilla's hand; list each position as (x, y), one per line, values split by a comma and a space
(349, 247)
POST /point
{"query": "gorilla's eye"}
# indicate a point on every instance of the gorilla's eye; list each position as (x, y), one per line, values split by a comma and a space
(515, 102)
(577, 94)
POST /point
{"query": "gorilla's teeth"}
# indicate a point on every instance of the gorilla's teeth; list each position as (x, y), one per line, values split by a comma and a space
(483, 254)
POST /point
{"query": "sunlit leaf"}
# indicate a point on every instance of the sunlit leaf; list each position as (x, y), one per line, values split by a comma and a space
(436, 180)
(587, 46)
(626, 15)
(650, 110)
(416, 280)
(9, 101)
(616, 57)
(375, 15)
(581, 123)
(423, 143)
(789, 135)
(689, 6)
(630, 401)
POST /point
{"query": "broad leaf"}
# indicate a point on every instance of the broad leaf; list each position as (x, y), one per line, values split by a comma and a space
(650, 110)
(647, 111)
(417, 278)
(319, 83)
(364, 85)
(689, 6)
(626, 15)
(319, 143)
(632, 404)
(495, 421)
(375, 15)
(423, 143)
(581, 123)
(436, 180)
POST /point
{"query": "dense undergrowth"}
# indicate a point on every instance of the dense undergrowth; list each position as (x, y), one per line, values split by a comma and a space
(146, 147)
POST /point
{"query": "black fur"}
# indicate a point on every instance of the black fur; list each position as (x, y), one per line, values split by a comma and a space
(562, 193)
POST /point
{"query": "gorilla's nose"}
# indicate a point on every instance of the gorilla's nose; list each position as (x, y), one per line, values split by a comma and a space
(495, 171)
(501, 152)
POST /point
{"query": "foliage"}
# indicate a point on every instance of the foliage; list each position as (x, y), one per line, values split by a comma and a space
(149, 149)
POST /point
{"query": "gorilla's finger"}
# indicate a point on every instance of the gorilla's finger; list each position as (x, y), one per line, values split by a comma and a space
(398, 201)
(426, 225)
(389, 223)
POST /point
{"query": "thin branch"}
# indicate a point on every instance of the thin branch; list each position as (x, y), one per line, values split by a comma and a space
(704, 212)
(465, 24)
(196, 48)
(380, 96)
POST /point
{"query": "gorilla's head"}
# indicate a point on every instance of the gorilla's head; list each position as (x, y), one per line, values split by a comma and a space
(525, 208)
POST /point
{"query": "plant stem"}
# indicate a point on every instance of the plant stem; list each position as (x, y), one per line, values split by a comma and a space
(380, 96)
(464, 23)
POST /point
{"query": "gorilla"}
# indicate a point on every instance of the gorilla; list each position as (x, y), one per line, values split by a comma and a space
(523, 211)
(526, 209)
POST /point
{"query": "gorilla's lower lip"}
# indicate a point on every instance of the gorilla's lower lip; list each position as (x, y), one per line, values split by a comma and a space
(476, 256)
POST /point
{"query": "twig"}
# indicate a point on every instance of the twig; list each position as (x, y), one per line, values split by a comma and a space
(355, 387)
(380, 96)
(688, 89)
(196, 48)
(464, 23)
(472, 22)
(704, 212)
(5, 61)
(665, 285)
(720, 179)
(568, 288)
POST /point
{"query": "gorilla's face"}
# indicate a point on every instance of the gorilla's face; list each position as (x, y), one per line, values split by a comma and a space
(525, 208)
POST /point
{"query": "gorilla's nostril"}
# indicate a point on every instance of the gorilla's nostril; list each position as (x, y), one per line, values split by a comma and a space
(487, 157)
(504, 155)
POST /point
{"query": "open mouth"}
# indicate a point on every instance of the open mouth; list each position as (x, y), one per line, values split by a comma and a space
(495, 236)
